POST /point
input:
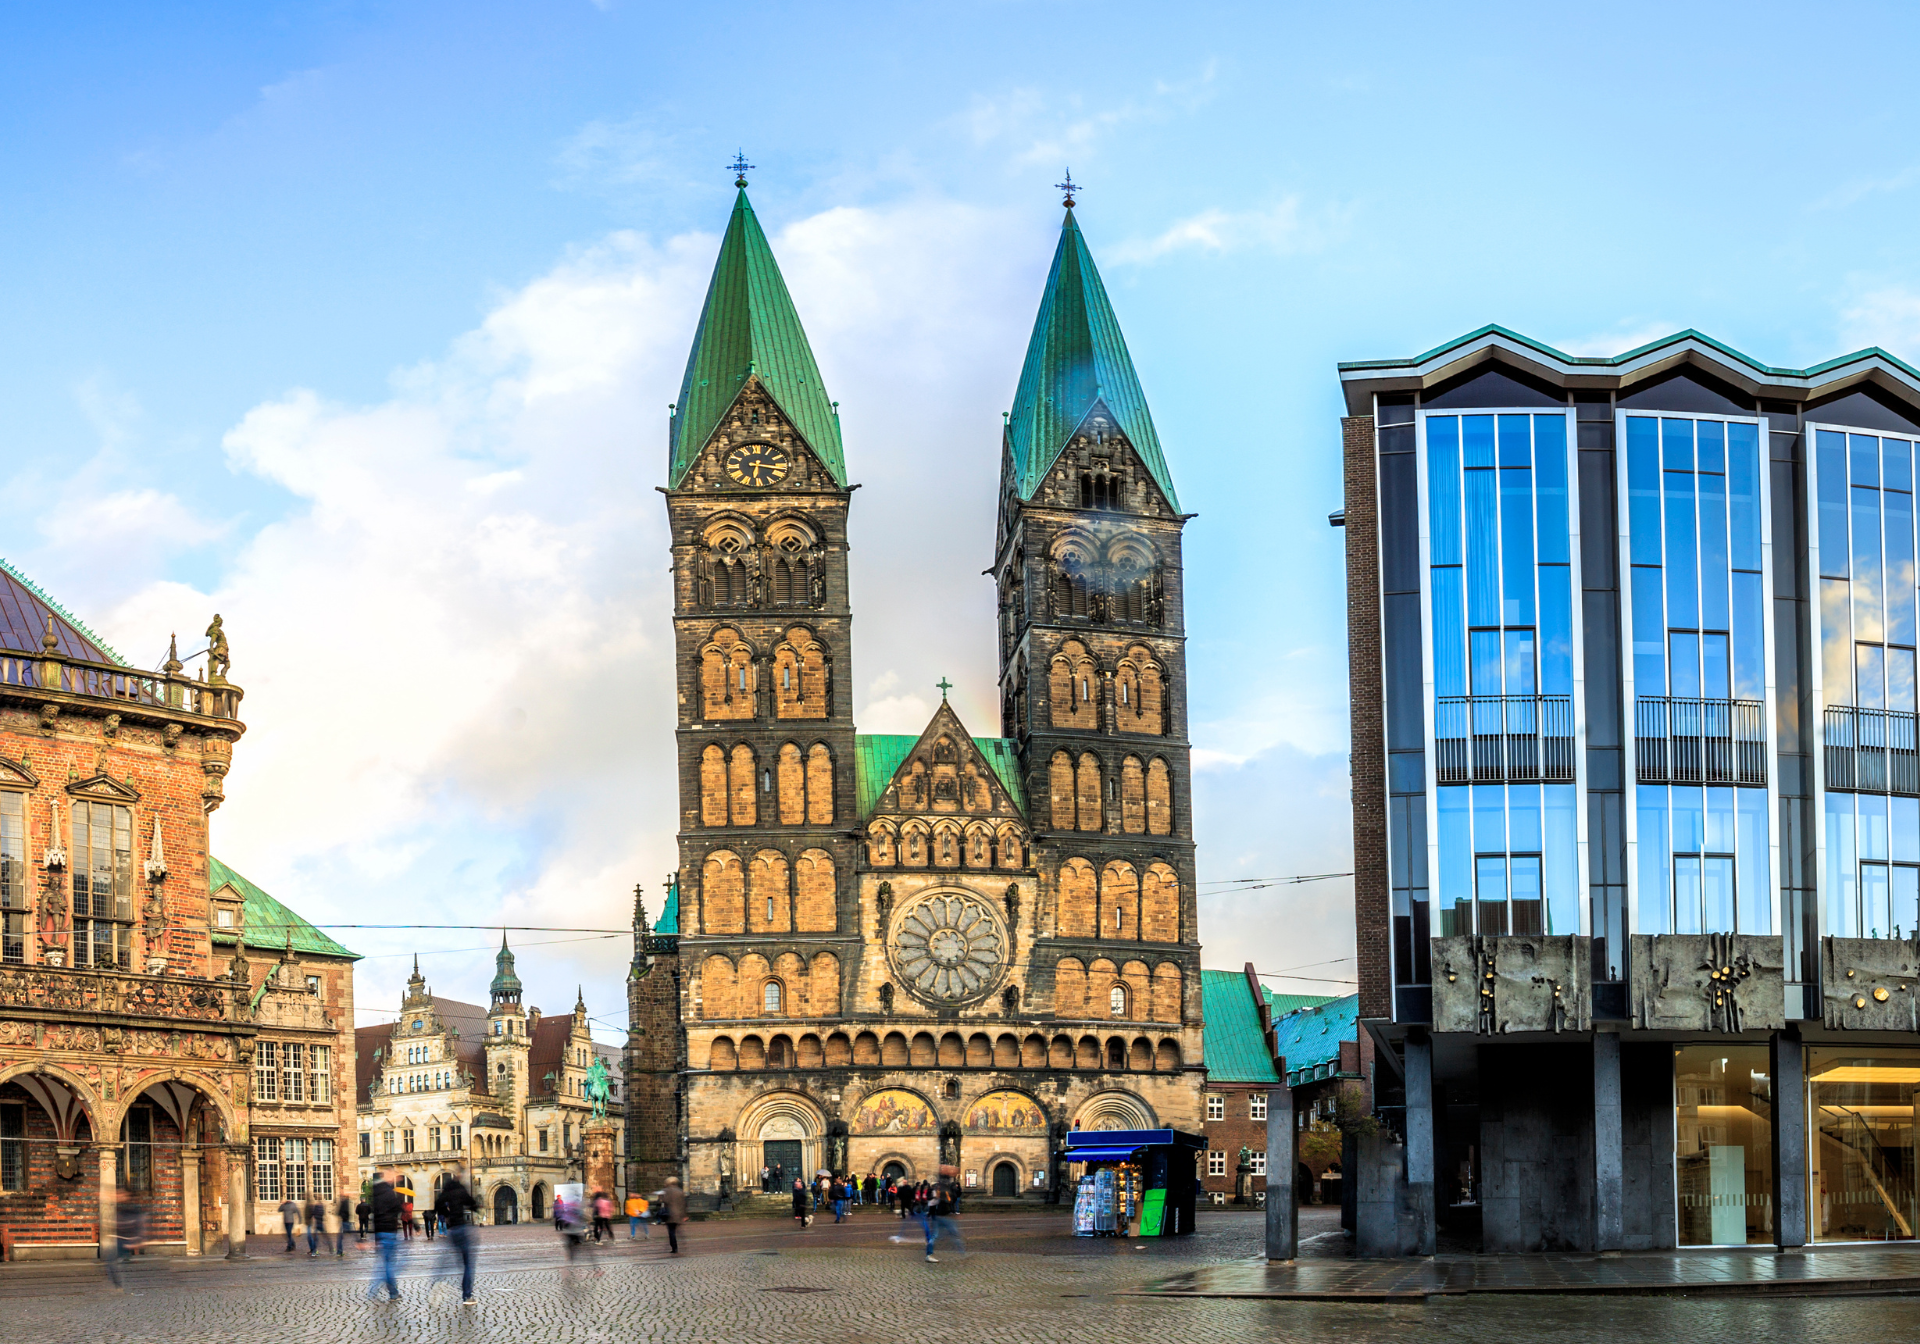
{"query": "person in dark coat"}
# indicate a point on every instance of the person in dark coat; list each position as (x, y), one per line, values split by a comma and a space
(802, 1203)
(454, 1208)
(389, 1211)
(364, 1212)
(675, 1200)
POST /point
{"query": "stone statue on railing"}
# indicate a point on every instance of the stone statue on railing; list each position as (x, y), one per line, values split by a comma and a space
(218, 661)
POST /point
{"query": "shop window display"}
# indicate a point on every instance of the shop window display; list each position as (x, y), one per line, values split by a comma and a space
(1861, 1161)
(1723, 1144)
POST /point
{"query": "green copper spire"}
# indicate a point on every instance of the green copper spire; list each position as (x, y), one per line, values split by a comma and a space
(749, 326)
(1077, 357)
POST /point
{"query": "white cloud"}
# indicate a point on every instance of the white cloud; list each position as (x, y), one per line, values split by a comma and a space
(1050, 131)
(1888, 317)
(1287, 227)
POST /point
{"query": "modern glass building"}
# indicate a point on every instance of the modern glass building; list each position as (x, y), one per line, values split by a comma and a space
(1637, 793)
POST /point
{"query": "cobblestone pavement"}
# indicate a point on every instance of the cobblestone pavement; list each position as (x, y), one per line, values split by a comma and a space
(1024, 1279)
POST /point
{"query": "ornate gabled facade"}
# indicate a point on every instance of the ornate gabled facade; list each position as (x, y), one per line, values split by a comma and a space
(126, 1036)
(889, 952)
(501, 1088)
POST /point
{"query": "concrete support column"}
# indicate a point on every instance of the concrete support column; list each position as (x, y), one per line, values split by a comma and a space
(109, 1194)
(190, 1197)
(1789, 1065)
(1283, 1165)
(239, 1202)
(1419, 1063)
(1608, 1175)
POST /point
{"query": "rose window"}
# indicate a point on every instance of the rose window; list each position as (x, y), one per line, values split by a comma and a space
(949, 949)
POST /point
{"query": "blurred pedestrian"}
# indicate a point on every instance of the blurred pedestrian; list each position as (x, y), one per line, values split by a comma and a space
(455, 1209)
(674, 1200)
(129, 1231)
(871, 1194)
(839, 1193)
(289, 1220)
(942, 1200)
(567, 1220)
(343, 1211)
(388, 1210)
(316, 1216)
(404, 1189)
(364, 1212)
(602, 1216)
(637, 1217)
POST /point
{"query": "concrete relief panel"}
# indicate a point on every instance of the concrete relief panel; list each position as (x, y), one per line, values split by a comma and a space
(1492, 986)
(1707, 982)
(1872, 984)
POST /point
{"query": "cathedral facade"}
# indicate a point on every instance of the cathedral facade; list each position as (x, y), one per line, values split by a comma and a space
(884, 953)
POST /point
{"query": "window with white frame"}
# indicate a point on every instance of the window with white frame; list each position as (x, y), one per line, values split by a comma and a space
(453, 1136)
(266, 1169)
(1216, 1106)
(320, 1073)
(293, 1071)
(13, 877)
(266, 1071)
(293, 1168)
(1257, 1106)
(1260, 1162)
(320, 1169)
(1216, 1164)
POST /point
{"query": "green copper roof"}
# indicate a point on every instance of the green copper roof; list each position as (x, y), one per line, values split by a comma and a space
(669, 921)
(1077, 356)
(1234, 1047)
(1639, 351)
(1310, 1037)
(749, 325)
(265, 921)
(876, 756)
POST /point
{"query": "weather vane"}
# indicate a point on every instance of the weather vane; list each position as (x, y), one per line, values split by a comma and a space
(740, 168)
(1069, 187)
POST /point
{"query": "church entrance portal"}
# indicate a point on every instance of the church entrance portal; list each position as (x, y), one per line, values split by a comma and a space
(894, 1172)
(506, 1206)
(783, 1156)
(1006, 1181)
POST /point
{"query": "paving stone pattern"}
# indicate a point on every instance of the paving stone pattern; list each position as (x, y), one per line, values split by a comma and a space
(1024, 1280)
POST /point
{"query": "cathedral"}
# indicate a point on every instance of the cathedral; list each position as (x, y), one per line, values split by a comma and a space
(882, 953)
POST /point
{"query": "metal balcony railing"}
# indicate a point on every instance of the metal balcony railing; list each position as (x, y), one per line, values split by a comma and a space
(1689, 741)
(1871, 750)
(1504, 739)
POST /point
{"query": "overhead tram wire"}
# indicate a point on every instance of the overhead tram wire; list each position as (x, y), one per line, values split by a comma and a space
(1228, 885)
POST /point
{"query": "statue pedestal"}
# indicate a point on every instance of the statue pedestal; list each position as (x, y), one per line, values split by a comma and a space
(599, 1157)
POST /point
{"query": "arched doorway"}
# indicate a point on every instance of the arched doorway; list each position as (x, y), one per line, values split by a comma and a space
(781, 1131)
(539, 1202)
(894, 1171)
(1006, 1181)
(506, 1206)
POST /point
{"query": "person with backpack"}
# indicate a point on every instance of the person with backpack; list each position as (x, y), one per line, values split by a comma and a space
(637, 1217)
(388, 1209)
(454, 1209)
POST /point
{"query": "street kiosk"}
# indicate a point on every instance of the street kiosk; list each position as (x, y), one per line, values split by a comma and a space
(1134, 1182)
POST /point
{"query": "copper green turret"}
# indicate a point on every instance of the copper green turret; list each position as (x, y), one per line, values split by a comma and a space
(1077, 359)
(749, 326)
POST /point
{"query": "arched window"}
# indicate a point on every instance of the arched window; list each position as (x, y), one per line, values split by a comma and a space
(1117, 1000)
(772, 998)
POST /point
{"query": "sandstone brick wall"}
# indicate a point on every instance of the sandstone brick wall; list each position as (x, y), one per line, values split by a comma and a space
(1366, 701)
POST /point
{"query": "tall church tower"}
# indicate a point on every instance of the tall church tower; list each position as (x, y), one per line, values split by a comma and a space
(1092, 637)
(507, 1041)
(757, 498)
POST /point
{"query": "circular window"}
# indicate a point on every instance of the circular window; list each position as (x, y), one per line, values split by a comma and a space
(949, 948)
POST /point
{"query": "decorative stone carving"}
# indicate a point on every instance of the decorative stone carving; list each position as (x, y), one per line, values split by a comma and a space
(1872, 984)
(1495, 984)
(1726, 982)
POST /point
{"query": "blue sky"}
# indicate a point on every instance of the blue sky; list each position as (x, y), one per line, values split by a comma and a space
(358, 322)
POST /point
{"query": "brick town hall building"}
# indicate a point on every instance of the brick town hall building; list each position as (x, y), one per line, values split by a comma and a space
(887, 952)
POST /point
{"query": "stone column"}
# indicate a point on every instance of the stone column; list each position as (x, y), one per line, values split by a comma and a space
(109, 1155)
(239, 1201)
(1283, 1200)
(1419, 1061)
(597, 1143)
(1608, 1175)
(1789, 1065)
(190, 1197)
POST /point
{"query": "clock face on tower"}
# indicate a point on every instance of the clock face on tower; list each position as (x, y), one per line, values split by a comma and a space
(758, 464)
